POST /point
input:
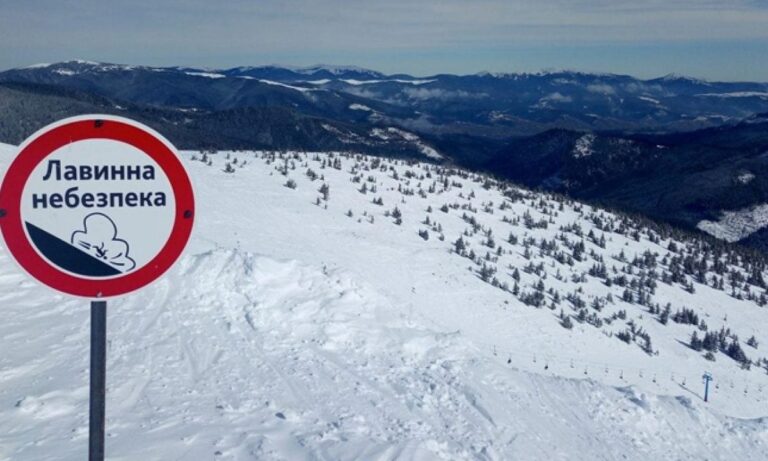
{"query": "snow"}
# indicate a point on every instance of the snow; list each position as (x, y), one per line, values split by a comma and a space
(362, 107)
(322, 81)
(333, 69)
(408, 136)
(206, 74)
(391, 132)
(745, 178)
(737, 224)
(41, 65)
(677, 77)
(85, 62)
(354, 82)
(292, 331)
(66, 72)
(583, 146)
(496, 116)
(345, 136)
(284, 85)
(414, 82)
(380, 133)
(737, 94)
(649, 99)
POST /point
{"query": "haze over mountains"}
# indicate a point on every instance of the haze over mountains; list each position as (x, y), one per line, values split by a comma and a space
(674, 148)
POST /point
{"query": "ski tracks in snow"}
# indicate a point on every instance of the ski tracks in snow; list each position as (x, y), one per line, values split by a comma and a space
(237, 357)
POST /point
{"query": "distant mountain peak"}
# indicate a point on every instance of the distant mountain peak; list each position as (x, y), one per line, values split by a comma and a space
(673, 77)
(337, 69)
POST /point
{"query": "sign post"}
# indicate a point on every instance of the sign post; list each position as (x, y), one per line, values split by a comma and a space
(707, 377)
(96, 206)
(98, 380)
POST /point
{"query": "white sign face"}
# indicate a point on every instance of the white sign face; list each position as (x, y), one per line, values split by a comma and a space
(96, 206)
(116, 206)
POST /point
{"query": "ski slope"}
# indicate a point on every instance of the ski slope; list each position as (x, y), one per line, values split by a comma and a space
(291, 330)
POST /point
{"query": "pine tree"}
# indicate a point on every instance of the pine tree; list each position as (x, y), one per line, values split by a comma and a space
(696, 343)
(325, 190)
(459, 246)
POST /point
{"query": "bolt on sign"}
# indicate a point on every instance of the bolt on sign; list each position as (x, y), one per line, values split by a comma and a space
(96, 206)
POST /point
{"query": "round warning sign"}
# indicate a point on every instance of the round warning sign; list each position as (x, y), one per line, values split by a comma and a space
(96, 206)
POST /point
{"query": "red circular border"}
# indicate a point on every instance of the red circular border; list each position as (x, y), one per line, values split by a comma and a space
(46, 143)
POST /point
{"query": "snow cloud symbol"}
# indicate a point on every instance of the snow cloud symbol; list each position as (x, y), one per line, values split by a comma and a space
(99, 239)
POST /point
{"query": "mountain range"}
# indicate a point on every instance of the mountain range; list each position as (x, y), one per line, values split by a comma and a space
(674, 148)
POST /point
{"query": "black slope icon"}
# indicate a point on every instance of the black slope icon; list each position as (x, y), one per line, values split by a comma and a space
(68, 257)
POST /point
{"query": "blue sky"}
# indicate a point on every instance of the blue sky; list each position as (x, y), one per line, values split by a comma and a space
(717, 40)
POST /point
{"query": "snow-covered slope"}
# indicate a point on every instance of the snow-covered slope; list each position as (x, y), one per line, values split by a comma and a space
(308, 322)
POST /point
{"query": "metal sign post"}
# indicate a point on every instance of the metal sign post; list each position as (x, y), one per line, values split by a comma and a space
(98, 380)
(707, 378)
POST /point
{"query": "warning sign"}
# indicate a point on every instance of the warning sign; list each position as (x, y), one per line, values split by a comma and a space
(96, 206)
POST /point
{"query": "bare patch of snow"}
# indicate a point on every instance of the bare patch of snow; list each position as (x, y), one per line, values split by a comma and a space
(379, 133)
(347, 137)
(424, 148)
(496, 116)
(736, 225)
(583, 147)
(745, 178)
(285, 85)
(41, 65)
(649, 99)
(206, 74)
(360, 107)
